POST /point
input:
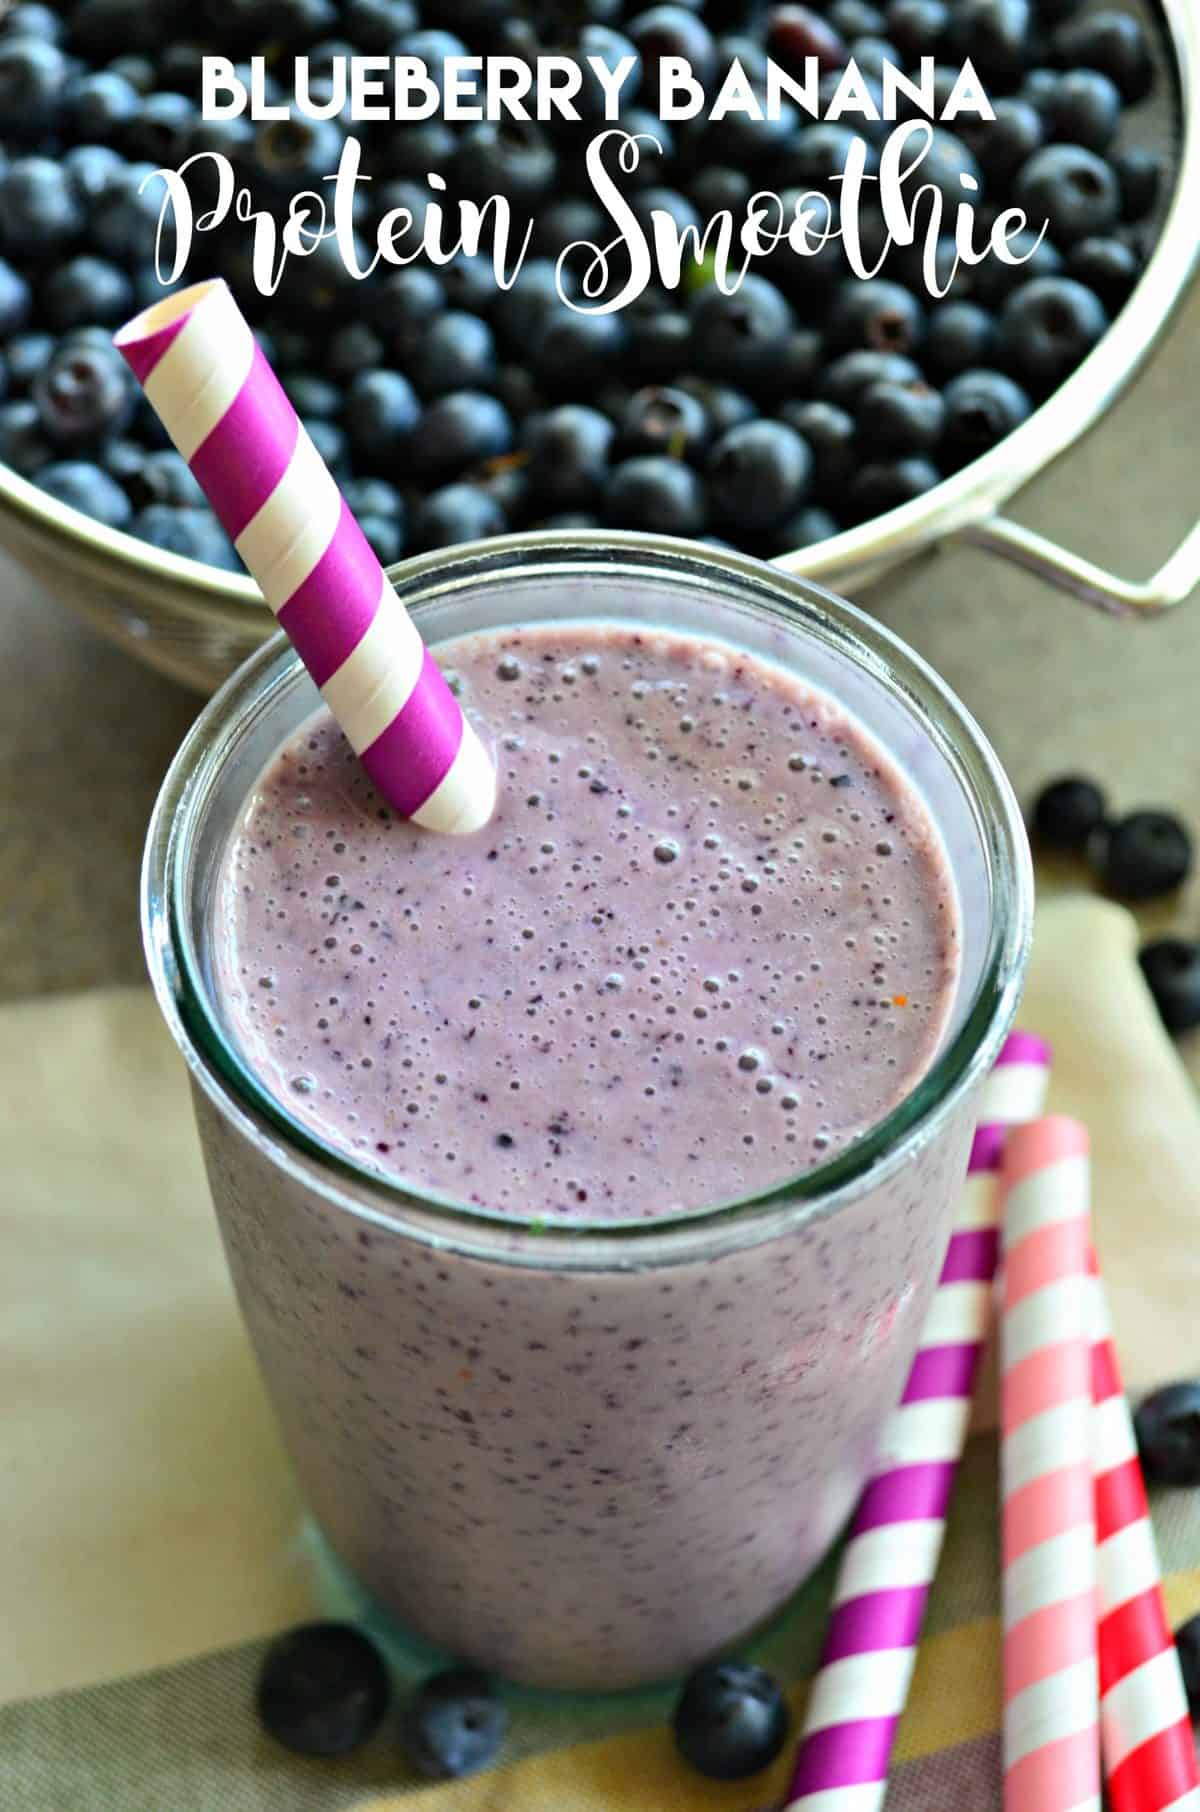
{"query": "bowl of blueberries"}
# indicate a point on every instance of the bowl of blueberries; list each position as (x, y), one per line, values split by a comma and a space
(832, 423)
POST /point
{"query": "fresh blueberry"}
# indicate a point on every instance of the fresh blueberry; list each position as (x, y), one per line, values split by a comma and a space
(138, 71)
(32, 21)
(1115, 44)
(1046, 327)
(39, 212)
(373, 497)
(642, 124)
(575, 351)
(33, 74)
(1068, 812)
(886, 484)
(658, 345)
(123, 460)
(572, 220)
(568, 450)
(227, 138)
(165, 477)
(1171, 966)
(1072, 188)
(672, 31)
(655, 493)
(98, 104)
(375, 25)
(92, 170)
(731, 1720)
(23, 443)
(432, 47)
(818, 153)
(846, 378)
(16, 300)
(297, 151)
(469, 282)
(460, 430)
(86, 289)
(664, 420)
(994, 34)
(384, 536)
(611, 47)
(83, 486)
(323, 1689)
(401, 302)
(381, 413)
(147, 289)
(157, 132)
(1108, 267)
(98, 26)
(829, 435)
(1144, 855)
(981, 408)
(724, 406)
(1139, 178)
(331, 442)
(515, 158)
(1003, 144)
(758, 474)
(457, 512)
(960, 335)
(1167, 1425)
(300, 21)
(856, 19)
(567, 519)
(872, 54)
(718, 189)
(519, 312)
(25, 355)
(180, 69)
(353, 348)
(455, 1723)
(876, 315)
(1087, 109)
(83, 393)
(917, 27)
(193, 533)
(313, 396)
(513, 385)
(806, 528)
(995, 279)
(654, 200)
(424, 146)
(900, 418)
(455, 352)
(125, 223)
(946, 163)
(737, 338)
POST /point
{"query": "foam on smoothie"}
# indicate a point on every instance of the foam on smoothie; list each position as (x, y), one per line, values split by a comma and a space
(708, 939)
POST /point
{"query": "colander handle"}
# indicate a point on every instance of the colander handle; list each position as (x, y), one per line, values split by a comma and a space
(1174, 581)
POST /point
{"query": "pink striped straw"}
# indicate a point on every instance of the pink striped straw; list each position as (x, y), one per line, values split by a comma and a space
(896, 1536)
(1051, 1687)
(224, 408)
(1145, 1732)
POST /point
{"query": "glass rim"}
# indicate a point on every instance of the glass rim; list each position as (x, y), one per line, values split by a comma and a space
(800, 607)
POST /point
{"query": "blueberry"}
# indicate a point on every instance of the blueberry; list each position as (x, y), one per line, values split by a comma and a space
(856, 19)
(818, 153)
(123, 460)
(640, 123)
(147, 289)
(1115, 44)
(846, 378)
(125, 222)
(85, 487)
(353, 348)
(876, 315)
(567, 519)
(402, 301)
(886, 484)
(660, 494)
(293, 153)
(453, 1725)
(158, 129)
(455, 352)
(612, 47)
(426, 145)
(99, 104)
(165, 477)
(959, 336)
(572, 220)
(1046, 327)
(193, 533)
(672, 31)
(39, 212)
(945, 164)
(900, 418)
(664, 420)
(24, 357)
(731, 1720)
(1139, 177)
(568, 451)
(514, 387)
(461, 429)
(384, 536)
(375, 25)
(331, 442)
(1171, 967)
(373, 497)
(575, 351)
(23, 444)
(302, 20)
(829, 435)
(519, 312)
(180, 69)
(99, 25)
(993, 280)
(1073, 189)
(1087, 109)
(758, 474)
(92, 170)
(83, 393)
(1167, 1426)
(655, 199)
(469, 282)
(917, 27)
(16, 300)
(981, 408)
(1068, 812)
(381, 412)
(138, 71)
(32, 21)
(1108, 267)
(1039, 87)
(871, 54)
(994, 34)
(717, 189)
(86, 289)
(227, 138)
(458, 512)
(1144, 855)
(806, 528)
(313, 396)
(33, 74)
(737, 338)
(1003, 144)
(322, 1689)
(658, 345)
(432, 47)
(725, 407)
(508, 157)
(1187, 1643)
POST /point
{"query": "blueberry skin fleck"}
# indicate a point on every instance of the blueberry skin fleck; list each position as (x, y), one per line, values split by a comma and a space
(1167, 1425)
(1145, 854)
(1068, 811)
(731, 1720)
(454, 1725)
(323, 1689)
(1171, 966)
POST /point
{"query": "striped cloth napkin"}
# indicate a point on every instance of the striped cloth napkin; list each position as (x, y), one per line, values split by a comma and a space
(153, 1538)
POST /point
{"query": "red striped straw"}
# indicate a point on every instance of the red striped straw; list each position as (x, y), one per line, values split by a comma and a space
(896, 1536)
(1145, 1732)
(225, 410)
(1051, 1690)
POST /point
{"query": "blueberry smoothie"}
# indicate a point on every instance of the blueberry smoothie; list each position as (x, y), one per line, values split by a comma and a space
(709, 938)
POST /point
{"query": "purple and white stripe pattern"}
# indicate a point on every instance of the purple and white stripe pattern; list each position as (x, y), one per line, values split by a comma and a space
(895, 1539)
(209, 383)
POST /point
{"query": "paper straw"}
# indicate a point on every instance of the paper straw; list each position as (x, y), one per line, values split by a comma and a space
(896, 1536)
(225, 410)
(1146, 1735)
(1051, 1687)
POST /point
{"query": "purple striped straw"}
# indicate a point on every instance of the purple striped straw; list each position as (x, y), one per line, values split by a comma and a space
(895, 1539)
(208, 381)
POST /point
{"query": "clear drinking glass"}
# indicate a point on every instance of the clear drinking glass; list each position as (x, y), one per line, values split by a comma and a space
(588, 1457)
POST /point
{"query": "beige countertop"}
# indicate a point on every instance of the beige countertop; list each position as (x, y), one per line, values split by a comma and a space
(85, 733)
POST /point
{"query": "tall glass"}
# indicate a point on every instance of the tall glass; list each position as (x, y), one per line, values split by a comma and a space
(589, 1457)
